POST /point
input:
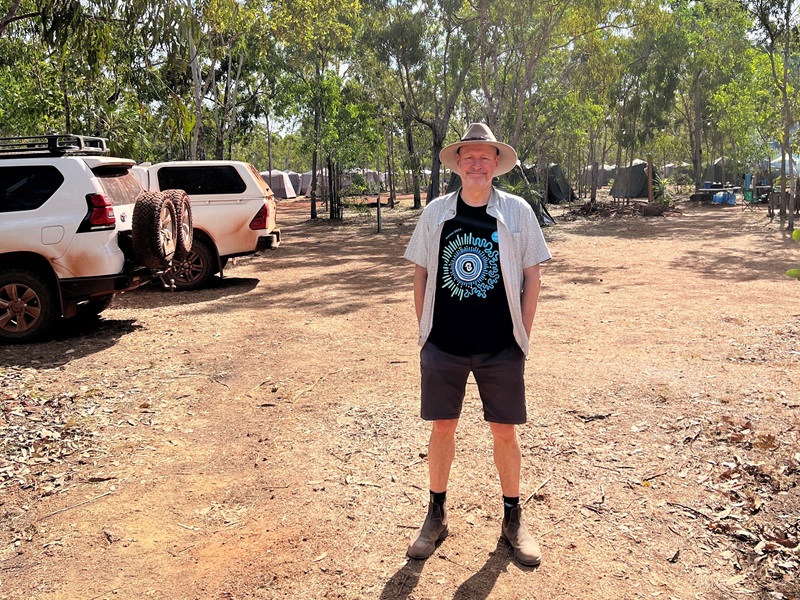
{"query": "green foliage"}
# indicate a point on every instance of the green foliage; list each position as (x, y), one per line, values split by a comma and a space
(662, 191)
(794, 273)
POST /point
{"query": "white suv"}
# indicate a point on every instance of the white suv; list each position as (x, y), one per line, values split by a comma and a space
(233, 213)
(75, 229)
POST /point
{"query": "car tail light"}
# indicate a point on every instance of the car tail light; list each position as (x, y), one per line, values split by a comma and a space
(261, 219)
(100, 215)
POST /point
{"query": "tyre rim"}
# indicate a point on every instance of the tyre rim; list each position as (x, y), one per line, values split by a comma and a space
(186, 226)
(190, 268)
(20, 307)
(167, 232)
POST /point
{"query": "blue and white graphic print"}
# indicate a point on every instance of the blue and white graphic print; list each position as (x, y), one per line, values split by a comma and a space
(470, 266)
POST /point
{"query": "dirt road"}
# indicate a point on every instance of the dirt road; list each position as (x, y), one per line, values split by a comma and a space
(260, 439)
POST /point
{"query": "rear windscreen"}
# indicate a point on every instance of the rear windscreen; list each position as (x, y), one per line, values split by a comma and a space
(27, 188)
(196, 180)
(119, 184)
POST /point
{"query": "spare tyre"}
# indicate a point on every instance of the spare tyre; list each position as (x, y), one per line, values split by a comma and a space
(183, 214)
(155, 226)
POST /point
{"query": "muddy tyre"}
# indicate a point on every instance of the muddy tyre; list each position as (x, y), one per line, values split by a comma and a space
(28, 306)
(183, 214)
(196, 268)
(154, 230)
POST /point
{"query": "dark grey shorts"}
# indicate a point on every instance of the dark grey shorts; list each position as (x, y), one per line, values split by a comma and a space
(500, 379)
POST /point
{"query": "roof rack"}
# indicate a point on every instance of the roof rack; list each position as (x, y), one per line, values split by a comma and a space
(55, 144)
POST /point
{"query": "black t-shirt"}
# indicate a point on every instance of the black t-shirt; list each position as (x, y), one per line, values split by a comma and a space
(470, 312)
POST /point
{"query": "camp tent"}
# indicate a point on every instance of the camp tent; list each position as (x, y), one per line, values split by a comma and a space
(714, 171)
(513, 177)
(775, 167)
(558, 190)
(605, 173)
(295, 179)
(280, 183)
(631, 182)
(678, 171)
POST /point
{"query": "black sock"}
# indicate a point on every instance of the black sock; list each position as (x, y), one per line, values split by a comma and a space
(508, 504)
(438, 497)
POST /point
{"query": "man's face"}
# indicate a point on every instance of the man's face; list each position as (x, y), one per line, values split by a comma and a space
(477, 164)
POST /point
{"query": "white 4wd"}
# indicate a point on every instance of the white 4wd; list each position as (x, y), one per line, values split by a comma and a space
(233, 213)
(75, 229)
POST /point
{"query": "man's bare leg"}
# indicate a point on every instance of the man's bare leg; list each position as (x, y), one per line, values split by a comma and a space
(441, 451)
(508, 459)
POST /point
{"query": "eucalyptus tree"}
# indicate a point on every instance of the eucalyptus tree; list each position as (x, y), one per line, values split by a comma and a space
(779, 36)
(713, 42)
(429, 47)
(526, 44)
(316, 38)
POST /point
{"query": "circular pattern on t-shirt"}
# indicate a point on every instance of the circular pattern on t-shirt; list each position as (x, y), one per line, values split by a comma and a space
(470, 266)
(467, 266)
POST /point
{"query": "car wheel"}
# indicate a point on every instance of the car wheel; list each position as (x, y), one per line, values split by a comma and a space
(183, 214)
(196, 268)
(28, 306)
(93, 307)
(154, 229)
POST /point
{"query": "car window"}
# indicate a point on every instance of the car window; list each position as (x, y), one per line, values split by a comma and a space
(194, 180)
(119, 184)
(27, 188)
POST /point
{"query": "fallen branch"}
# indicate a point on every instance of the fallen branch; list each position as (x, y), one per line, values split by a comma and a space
(313, 385)
(690, 509)
(536, 491)
(65, 509)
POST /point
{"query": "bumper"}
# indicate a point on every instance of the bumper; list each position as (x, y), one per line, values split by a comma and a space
(269, 242)
(82, 288)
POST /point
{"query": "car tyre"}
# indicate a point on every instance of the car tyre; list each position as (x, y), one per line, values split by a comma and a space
(28, 306)
(183, 214)
(154, 230)
(196, 268)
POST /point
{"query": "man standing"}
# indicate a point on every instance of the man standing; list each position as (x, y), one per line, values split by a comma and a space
(477, 252)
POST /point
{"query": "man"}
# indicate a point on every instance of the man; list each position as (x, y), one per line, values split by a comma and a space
(477, 252)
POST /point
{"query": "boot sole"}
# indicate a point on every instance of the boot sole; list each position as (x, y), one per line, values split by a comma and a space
(438, 541)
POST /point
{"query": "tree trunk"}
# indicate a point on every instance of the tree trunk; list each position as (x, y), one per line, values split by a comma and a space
(439, 134)
(315, 157)
(269, 149)
(412, 156)
(697, 147)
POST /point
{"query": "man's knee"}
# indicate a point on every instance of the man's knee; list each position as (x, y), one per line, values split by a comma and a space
(444, 428)
(503, 433)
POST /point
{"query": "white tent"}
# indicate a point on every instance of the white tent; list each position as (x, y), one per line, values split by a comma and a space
(279, 182)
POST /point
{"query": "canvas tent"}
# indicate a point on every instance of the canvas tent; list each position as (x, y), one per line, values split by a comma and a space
(279, 183)
(605, 173)
(558, 189)
(714, 171)
(295, 179)
(631, 182)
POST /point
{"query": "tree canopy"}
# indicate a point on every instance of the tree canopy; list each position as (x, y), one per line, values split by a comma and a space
(347, 83)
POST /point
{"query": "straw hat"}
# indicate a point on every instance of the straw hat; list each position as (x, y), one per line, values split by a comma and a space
(479, 133)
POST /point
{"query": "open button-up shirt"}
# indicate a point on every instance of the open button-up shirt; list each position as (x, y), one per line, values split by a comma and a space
(520, 242)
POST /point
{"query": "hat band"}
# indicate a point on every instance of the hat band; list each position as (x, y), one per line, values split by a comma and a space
(476, 139)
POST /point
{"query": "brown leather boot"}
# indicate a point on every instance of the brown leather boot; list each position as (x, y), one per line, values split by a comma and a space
(515, 533)
(433, 531)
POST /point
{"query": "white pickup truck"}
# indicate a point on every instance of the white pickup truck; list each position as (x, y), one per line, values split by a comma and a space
(233, 213)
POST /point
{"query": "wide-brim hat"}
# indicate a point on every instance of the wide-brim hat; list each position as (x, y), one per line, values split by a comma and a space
(479, 133)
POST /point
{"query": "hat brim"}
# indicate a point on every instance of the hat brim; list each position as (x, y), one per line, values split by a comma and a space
(507, 159)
